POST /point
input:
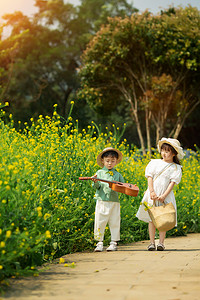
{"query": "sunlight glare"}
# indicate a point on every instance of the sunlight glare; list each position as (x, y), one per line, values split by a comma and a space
(10, 6)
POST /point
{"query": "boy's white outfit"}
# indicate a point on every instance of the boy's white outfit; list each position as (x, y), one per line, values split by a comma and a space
(107, 213)
(107, 209)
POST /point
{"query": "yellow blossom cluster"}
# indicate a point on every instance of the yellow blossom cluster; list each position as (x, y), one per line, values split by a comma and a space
(46, 211)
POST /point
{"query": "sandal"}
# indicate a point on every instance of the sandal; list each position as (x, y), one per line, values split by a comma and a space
(151, 247)
(160, 247)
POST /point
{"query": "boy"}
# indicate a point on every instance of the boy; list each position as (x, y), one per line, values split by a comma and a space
(107, 203)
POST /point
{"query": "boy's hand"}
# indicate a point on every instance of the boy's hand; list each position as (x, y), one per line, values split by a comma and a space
(93, 178)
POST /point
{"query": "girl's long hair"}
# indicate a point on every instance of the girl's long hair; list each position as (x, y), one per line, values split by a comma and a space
(168, 147)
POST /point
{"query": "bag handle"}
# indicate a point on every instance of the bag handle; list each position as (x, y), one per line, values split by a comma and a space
(154, 203)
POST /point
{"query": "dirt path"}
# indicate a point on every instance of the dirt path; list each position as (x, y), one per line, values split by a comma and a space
(131, 273)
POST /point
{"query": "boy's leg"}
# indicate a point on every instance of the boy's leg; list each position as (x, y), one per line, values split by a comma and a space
(114, 221)
(101, 220)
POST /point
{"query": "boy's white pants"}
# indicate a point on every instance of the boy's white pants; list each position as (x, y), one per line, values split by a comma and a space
(107, 212)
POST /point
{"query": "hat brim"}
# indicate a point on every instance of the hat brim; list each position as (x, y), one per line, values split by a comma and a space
(160, 143)
(179, 149)
(99, 157)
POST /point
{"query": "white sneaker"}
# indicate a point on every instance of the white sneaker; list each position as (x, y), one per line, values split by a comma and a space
(112, 247)
(99, 247)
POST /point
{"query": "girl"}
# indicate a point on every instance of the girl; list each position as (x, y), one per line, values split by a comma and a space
(162, 174)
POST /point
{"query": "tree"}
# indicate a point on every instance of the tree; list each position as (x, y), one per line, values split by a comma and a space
(178, 34)
(122, 61)
(39, 59)
(161, 104)
(92, 14)
(43, 68)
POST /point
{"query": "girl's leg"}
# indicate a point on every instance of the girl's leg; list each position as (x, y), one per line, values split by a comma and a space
(152, 232)
(162, 236)
(160, 246)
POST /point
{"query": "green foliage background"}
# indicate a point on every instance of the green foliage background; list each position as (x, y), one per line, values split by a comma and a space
(40, 59)
(45, 211)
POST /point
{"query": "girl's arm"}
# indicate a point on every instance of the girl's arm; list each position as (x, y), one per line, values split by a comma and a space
(153, 195)
(166, 193)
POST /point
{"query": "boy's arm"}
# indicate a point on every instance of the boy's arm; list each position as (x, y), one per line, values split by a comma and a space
(121, 178)
(96, 184)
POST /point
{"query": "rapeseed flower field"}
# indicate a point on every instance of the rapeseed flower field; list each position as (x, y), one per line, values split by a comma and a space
(46, 211)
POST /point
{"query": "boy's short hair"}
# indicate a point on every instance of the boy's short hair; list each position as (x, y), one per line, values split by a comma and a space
(110, 153)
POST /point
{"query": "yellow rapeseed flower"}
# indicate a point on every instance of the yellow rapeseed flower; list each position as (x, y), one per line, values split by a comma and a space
(8, 233)
(66, 265)
(62, 260)
(2, 244)
(48, 234)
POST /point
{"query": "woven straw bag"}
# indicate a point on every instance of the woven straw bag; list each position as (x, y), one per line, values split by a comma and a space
(163, 217)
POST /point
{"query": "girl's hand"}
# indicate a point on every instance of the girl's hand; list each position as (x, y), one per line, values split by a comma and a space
(161, 198)
(153, 196)
(93, 178)
(166, 193)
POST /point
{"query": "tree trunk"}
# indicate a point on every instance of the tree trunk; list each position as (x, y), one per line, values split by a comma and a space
(180, 122)
(137, 122)
(157, 134)
(134, 113)
(177, 131)
(147, 115)
(64, 108)
(135, 118)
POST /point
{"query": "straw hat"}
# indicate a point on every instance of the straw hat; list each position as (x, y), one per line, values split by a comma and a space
(99, 157)
(174, 143)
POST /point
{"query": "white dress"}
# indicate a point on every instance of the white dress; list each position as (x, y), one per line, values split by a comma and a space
(172, 173)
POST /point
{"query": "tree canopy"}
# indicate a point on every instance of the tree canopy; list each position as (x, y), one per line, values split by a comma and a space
(150, 63)
(137, 62)
(40, 57)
